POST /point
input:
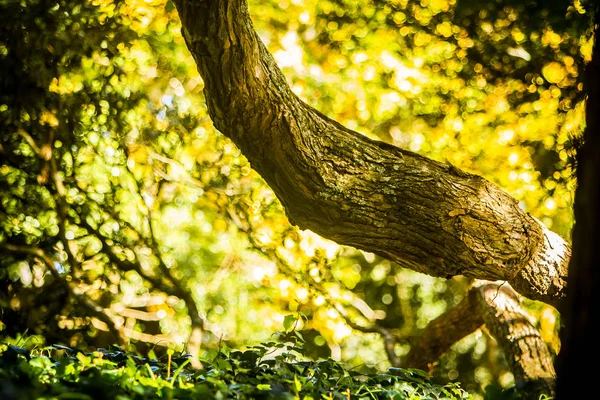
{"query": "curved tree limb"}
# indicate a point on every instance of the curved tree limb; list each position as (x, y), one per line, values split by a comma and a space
(497, 306)
(441, 333)
(423, 214)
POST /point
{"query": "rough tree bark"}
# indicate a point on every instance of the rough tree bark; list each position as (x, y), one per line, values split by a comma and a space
(425, 215)
(497, 306)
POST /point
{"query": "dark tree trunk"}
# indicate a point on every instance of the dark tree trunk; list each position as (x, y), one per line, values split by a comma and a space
(580, 313)
(425, 215)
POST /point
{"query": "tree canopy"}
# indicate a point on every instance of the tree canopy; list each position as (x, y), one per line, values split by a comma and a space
(148, 204)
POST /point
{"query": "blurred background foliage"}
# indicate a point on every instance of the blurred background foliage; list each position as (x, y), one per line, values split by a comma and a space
(125, 216)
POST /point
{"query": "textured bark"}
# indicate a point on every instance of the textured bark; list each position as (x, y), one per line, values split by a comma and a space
(496, 306)
(425, 215)
(524, 349)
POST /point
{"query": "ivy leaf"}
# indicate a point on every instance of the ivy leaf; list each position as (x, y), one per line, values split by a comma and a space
(288, 322)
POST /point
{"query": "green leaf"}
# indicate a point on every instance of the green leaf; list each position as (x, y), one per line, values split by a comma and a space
(297, 384)
(178, 371)
(288, 322)
(74, 396)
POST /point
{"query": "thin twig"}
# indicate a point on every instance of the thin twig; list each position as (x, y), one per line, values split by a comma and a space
(389, 339)
(91, 306)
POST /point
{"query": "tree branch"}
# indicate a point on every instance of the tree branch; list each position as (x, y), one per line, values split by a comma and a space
(389, 339)
(425, 215)
(92, 308)
(497, 306)
(177, 290)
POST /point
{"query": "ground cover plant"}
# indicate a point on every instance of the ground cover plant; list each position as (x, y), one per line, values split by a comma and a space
(271, 370)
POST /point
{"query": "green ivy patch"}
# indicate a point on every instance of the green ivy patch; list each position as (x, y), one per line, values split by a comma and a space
(267, 371)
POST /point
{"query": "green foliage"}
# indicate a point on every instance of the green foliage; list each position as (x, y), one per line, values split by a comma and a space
(269, 370)
(110, 166)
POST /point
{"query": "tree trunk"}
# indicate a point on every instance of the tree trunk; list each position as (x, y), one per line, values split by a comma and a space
(425, 215)
(579, 335)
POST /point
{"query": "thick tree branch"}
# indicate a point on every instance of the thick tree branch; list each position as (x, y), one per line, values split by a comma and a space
(524, 349)
(425, 215)
(441, 333)
(496, 306)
